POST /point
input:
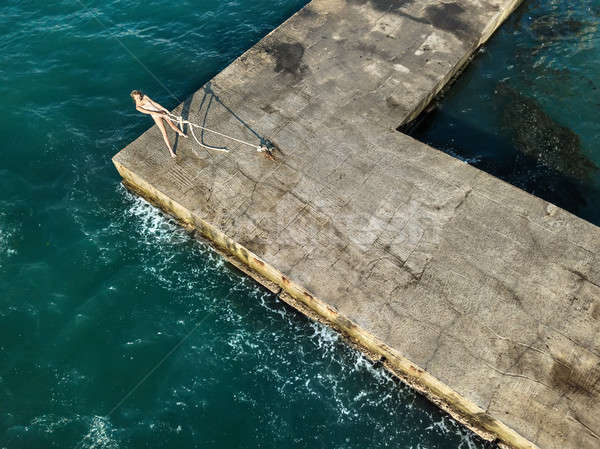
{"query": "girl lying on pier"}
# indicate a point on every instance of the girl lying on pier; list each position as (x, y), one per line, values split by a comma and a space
(146, 105)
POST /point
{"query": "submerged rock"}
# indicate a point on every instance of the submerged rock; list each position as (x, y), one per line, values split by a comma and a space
(538, 136)
(552, 27)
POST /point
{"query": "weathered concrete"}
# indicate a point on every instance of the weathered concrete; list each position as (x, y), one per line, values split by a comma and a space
(482, 296)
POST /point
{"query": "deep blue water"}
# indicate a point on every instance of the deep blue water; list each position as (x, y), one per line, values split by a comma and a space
(118, 330)
(527, 108)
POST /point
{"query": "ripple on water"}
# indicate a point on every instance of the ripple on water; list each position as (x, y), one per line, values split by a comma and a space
(137, 283)
(51, 423)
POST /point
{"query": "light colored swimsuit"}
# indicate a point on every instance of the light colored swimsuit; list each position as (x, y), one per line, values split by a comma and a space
(150, 107)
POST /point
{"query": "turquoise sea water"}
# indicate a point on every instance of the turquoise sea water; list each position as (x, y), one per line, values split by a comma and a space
(527, 108)
(117, 330)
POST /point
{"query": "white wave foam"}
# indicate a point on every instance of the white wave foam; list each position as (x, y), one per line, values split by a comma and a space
(50, 423)
(99, 436)
(6, 235)
(265, 302)
(158, 232)
(448, 426)
(466, 439)
(439, 425)
(324, 336)
(154, 225)
(379, 373)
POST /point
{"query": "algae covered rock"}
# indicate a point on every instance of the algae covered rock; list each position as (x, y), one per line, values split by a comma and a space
(537, 135)
(553, 26)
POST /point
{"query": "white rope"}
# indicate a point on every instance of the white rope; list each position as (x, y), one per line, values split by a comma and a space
(180, 121)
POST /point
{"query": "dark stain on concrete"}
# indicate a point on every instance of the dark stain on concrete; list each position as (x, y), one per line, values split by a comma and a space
(485, 420)
(383, 5)
(370, 50)
(583, 278)
(344, 323)
(449, 17)
(255, 246)
(307, 12)
(595, 311)
(288, 57)
(392, 7)
(269, 109)
(570, 378)
(506, 292)
(416, 369)
(367, 49)
(244, 255)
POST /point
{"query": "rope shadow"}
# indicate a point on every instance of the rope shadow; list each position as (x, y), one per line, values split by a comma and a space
(212, 96)
(186, 128)
(208, 99)
(185, 112)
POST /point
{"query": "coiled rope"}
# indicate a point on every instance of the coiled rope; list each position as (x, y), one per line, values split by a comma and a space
(180, 121)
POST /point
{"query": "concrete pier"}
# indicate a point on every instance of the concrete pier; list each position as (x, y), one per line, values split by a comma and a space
(483, 297)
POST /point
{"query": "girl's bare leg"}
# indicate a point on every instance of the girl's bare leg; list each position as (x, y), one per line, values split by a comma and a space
(163, 131)
(176, 129)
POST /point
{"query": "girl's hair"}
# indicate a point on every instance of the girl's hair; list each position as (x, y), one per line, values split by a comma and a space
(136, 92)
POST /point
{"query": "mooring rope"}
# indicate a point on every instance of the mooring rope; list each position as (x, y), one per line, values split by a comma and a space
(265, 146)
(180, 121)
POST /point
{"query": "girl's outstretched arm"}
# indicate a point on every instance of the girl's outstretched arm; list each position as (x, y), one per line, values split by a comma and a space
(148, 111)
(165, 110)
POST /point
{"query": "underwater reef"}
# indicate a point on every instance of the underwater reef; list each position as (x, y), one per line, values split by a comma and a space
(537, 135)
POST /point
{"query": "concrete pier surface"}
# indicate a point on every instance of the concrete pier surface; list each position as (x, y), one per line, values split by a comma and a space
(483, 297)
